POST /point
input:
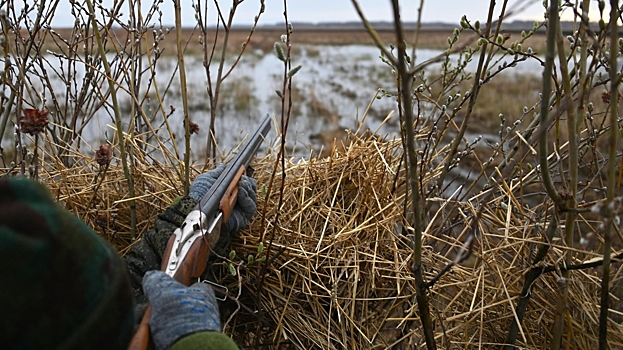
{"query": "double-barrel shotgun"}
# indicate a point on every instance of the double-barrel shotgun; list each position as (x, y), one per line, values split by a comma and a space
(186, 256)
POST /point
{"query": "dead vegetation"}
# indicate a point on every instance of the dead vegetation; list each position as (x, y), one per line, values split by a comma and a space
(339, 272)
(499, 247)
(264, 38)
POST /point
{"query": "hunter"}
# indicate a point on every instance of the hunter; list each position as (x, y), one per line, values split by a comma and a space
(64, 287)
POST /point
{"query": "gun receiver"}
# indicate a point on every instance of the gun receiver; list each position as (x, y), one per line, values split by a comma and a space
(186, 256)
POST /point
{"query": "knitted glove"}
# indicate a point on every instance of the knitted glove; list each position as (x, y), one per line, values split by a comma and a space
(246, 204)
(177, 310)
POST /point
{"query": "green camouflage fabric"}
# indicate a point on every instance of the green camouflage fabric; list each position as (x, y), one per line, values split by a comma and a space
(205, 341)
(62, 286)
(146, 254)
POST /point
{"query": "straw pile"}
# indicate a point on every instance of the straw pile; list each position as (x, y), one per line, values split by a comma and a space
(340, 265)
(99, 194)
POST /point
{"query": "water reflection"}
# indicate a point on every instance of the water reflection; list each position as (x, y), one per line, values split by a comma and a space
(331, 92)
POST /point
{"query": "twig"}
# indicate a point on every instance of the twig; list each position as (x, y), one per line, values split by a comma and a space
(546, 92)
(246, 43)
(464, 254)
(573, 185)
(416, 34)
(113, 94)
(472, 101)
(495, 35)
(610, 193)
(529, 279)
(214, 92)
(285, 120)
(583, 266)
(5, 104)
(183, 86)
(406, 107)
(375, 36)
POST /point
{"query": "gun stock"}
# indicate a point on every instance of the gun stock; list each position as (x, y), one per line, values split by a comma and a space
(228, 202)
(141, 339)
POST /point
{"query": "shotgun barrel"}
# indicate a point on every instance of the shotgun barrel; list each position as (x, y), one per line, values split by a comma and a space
(210, 204)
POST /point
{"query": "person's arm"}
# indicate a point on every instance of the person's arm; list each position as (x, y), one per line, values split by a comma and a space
(146, 254)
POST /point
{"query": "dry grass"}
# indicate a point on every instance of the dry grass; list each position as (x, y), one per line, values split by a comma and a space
(340, 273)
(337, 248)
(344, 279)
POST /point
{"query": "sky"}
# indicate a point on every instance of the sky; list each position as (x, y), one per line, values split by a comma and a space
(449, 11)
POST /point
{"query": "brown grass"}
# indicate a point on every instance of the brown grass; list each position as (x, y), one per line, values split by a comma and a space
(264, 38)
(339, 273)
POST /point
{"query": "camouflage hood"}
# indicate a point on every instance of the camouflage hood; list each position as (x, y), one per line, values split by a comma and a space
(62, 286)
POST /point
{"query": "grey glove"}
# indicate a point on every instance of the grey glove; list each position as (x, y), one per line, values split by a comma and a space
(177, 310)
(246, 204)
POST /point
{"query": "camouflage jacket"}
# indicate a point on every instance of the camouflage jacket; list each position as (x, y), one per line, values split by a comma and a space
(146, 254)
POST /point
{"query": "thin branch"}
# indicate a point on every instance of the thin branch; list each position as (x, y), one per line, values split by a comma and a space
(416, 34)
(573, 185)
(464, 254)
(614, 134)
(113, 94)
(472, 102)
(375, 36)
(546, 92)
(246, 43)
(584, 266)
(183, 86)
(211, 150)
(529, 279)
(417, 206)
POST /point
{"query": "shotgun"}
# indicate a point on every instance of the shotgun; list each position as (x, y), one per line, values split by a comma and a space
(186, 256)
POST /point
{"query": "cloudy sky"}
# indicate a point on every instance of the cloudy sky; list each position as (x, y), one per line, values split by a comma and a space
(449, 11)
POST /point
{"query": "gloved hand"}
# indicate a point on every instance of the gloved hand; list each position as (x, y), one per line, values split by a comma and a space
(177, 310)
(246, 204)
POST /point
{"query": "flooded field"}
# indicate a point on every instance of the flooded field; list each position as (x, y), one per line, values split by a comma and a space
(330, 93)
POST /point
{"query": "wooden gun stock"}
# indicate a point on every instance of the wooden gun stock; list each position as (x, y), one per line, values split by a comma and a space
(231, 195)
(194, 265)
(141, 339)
(191, 268)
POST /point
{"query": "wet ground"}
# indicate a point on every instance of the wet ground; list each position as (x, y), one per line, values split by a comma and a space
(330, 93)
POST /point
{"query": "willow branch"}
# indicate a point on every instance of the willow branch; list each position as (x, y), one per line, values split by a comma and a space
(611, 181)
(118, 126)
(552, 27)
